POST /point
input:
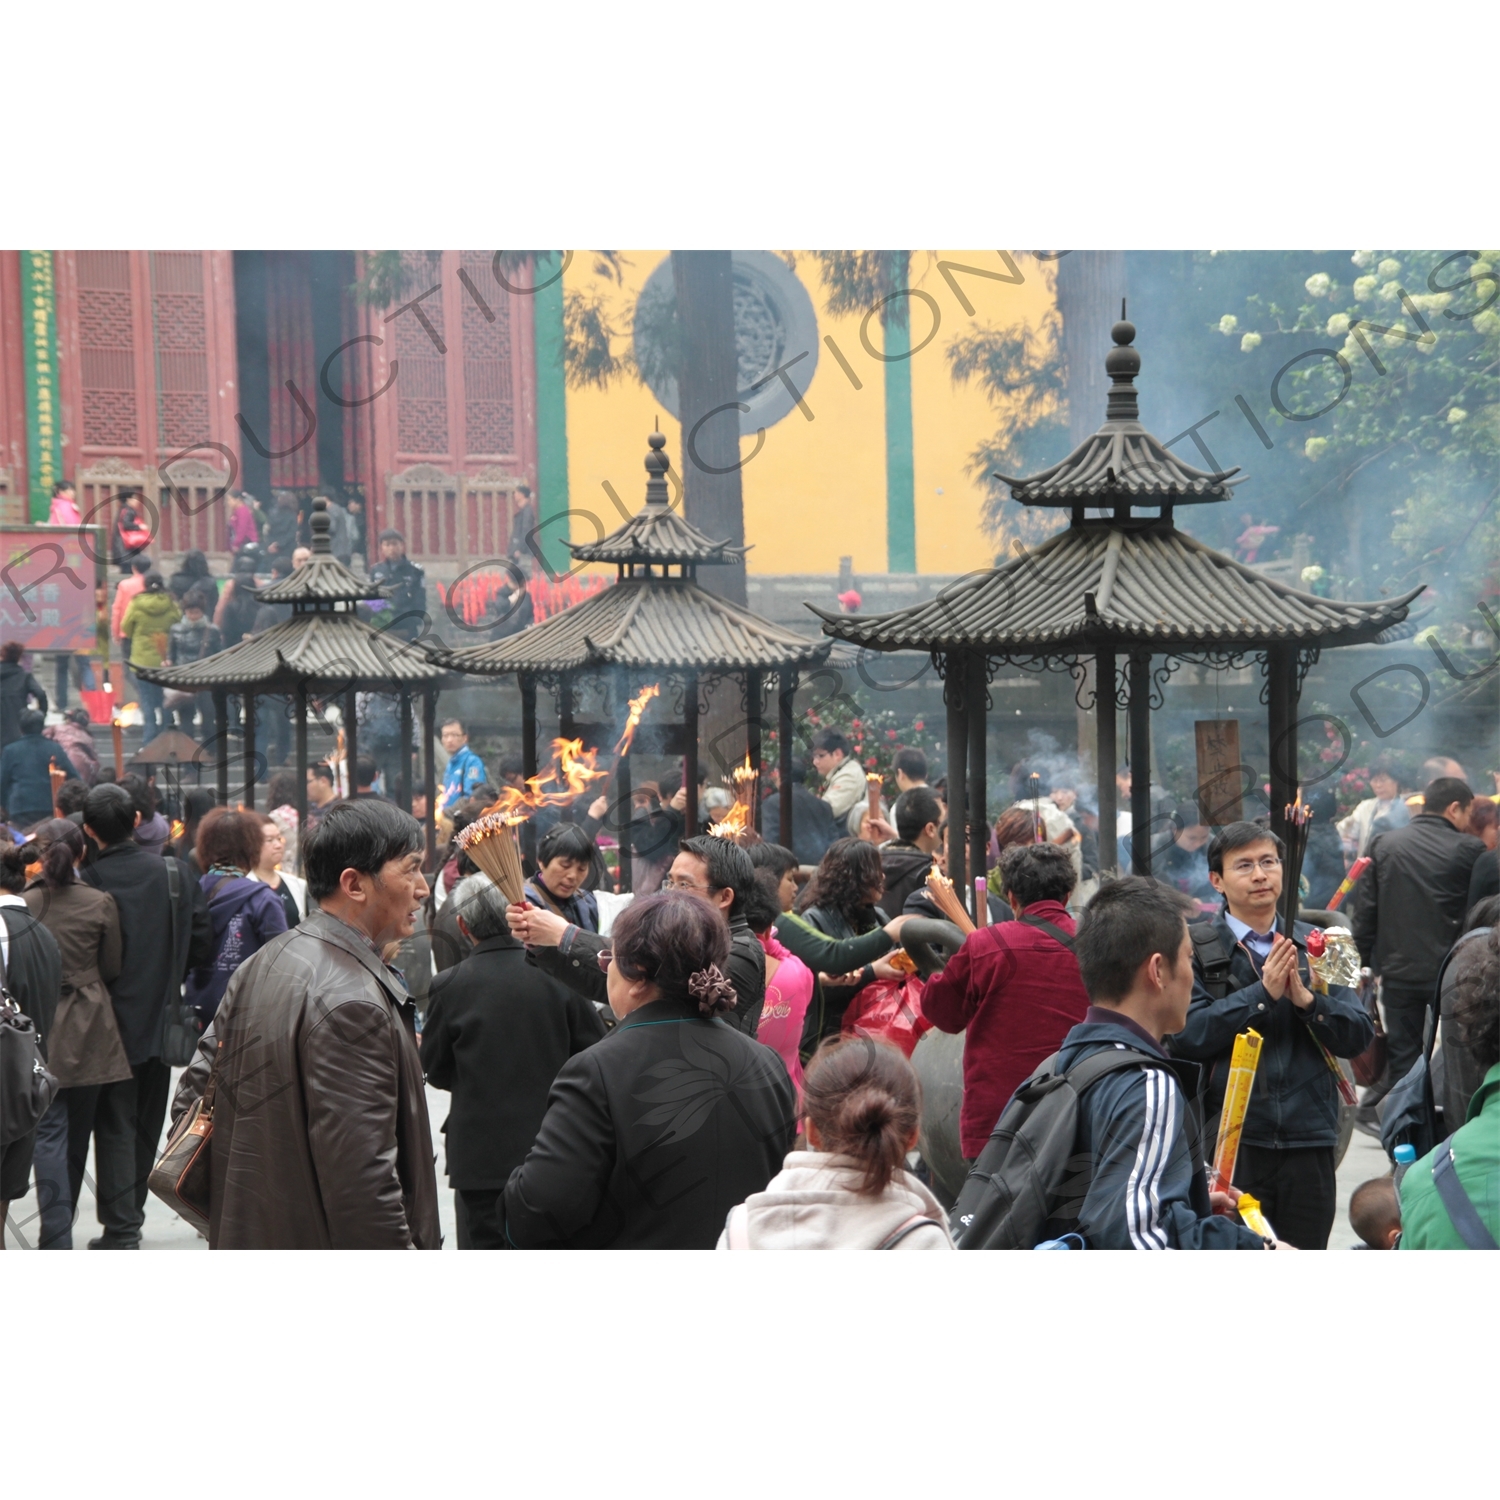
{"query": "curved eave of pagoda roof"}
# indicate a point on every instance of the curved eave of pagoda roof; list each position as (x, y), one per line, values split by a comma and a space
(323, 650)
(322, 579)
(1122, 463)
(650, 623)
(657, 534)
(1160, 588)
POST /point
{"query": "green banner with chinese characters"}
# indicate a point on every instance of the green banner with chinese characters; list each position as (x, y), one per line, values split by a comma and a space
(43, 409)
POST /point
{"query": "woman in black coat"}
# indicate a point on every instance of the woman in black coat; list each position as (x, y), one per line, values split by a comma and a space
(653, 1135)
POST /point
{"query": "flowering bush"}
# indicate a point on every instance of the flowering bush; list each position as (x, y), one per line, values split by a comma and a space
(876, 736)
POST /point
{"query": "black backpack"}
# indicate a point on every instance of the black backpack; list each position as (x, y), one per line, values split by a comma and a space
(1213, 957)
(1030, 1175)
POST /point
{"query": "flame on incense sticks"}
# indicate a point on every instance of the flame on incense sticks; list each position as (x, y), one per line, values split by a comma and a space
(638, 706)
(738, 820)
(490, 841)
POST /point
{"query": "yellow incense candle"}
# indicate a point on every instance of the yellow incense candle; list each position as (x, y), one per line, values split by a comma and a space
(1252, 1218)
(1242, 1064)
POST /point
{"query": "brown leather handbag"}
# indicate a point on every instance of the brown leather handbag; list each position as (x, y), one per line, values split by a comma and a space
(181, 1179)
(1369, 1066)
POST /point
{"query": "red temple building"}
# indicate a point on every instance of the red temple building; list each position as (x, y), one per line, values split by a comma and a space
(180, 372)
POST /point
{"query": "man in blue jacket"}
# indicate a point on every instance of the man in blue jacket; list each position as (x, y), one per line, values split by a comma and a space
(1136, 1127)
(1250, 973)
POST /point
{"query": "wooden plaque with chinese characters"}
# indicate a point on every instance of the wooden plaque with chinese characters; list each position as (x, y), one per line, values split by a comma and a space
(1221, 778)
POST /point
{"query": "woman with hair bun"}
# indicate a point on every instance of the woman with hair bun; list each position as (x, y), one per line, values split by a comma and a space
(654, 1133)
(851, 1191)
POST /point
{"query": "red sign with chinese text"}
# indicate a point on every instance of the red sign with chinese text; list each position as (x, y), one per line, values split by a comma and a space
(47, 587)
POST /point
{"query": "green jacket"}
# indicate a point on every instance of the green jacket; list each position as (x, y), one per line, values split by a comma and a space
(1425, 1224)
(146, 626)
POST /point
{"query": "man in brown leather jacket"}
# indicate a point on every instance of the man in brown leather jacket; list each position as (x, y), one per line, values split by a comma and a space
(321, 1137)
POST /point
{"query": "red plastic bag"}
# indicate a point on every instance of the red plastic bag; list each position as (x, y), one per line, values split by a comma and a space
(890, 1010)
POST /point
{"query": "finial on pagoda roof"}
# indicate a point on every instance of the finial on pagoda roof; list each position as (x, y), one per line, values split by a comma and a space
(322, 525)
(657, 464)
(1123, 364)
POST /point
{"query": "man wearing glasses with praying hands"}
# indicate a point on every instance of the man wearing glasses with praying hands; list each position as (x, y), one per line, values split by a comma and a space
(1249, 972)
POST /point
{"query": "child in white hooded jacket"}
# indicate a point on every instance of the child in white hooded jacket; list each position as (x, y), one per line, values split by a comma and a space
(851, 1191)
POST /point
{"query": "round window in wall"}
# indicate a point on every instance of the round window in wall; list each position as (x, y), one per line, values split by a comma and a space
(775, 328)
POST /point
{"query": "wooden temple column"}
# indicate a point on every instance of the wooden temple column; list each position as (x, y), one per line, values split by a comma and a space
(299, 740)
(429, 772)
(690, 754)
(221, 744)
(753, 737)
(786, 693)
(351, 737)
(403, 784)
(528, 725)
(1281, 726)
(955, 680)
(1140, 762)
(976, 694)
(1106, 755)
(249, 744)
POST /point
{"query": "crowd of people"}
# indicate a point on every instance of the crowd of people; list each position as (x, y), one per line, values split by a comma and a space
(675, 1039)
(714, 1061)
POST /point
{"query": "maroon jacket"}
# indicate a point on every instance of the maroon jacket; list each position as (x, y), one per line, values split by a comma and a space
(1018, 992)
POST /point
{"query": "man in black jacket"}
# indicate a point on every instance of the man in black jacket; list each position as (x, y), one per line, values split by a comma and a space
(1249, 973)
(715, 869)
(496, 1033)
(1408, 910)
(404, 586)
(164, 930)
(908, 857)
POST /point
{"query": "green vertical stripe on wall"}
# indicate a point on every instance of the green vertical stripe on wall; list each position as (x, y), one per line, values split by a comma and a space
(551, 416)
(43, 409)
(900, 465)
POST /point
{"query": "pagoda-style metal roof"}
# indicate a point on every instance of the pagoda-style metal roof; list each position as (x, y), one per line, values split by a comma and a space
(647, 619)
(656, 534)
(1138, 582)
(330, 653)
(325, 645)
(660, 623)
(1122, 464)
(1124, 580)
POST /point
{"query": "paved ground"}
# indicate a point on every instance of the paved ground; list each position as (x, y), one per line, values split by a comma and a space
(165, 1231)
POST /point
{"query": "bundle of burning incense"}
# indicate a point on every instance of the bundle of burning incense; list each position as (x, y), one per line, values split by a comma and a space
(1034, 792)
(872, 792)
(1357, 869)
(981, 901)
(947, 900)
(1298, 816)
(490, 842)
(58, 777)
(1242, 1064)
(733, 825)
